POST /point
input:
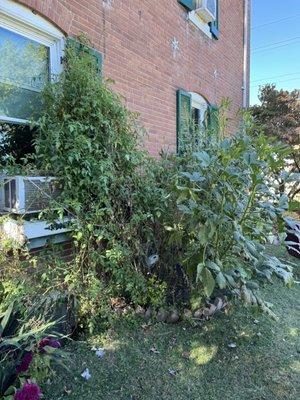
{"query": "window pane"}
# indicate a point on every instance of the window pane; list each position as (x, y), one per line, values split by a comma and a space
(24, 70)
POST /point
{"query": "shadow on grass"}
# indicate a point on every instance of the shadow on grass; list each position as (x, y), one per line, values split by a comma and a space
(174, 362)
(181, 362)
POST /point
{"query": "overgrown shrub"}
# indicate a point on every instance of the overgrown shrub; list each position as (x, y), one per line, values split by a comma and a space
(228, 207)
(91, 143)
(150, 232)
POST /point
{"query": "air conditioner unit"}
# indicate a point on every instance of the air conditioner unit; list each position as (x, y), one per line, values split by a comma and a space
(206, 10)
(27, 194)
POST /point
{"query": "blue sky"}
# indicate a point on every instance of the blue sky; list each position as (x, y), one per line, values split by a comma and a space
(275, 25)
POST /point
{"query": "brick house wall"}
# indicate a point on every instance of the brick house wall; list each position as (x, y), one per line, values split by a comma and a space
(135, 37)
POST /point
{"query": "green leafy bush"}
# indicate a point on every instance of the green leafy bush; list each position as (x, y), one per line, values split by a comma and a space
(92, 144)
(228, 207)
(204, 215)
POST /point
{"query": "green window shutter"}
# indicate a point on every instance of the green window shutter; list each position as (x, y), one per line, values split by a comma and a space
(188, 4)
(184, 109)
(214, 26)
(80, 47)
(213, 118)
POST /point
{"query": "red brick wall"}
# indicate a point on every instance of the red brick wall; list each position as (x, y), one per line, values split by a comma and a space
(64, 251)
(135, 37)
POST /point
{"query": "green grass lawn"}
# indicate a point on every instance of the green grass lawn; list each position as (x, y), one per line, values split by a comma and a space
(175, 362)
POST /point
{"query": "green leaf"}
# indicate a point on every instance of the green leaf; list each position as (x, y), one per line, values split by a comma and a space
(208, 282)
(213, 266)
(265, 273)
(230, 280)
(193, 195)
(202, 236)
(184, 209)
(194, 177)
(6, 318)
(78, 236)
(13, 342)
(221, 280)
(246, 295)
(192, 262)
(252, 285)
(252, 250)
(49, 349)
(9, 392)
(200, 267)
(283, 203)
(293, 177)
(285, 275)
(204, 158)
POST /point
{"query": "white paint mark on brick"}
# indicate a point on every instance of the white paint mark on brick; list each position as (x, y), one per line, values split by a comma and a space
(175, 46)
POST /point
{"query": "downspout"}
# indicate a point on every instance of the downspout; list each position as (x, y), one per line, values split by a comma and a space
(246, 56)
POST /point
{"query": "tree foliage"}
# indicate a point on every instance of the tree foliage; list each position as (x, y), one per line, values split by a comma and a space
(279, 115)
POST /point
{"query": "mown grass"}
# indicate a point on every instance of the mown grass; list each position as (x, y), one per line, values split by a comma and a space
(181, 362)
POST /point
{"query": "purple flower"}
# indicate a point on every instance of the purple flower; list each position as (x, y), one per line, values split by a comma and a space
(47, 341)
(29, 391)
(25, 362)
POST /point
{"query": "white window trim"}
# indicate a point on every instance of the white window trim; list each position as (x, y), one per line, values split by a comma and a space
(196, 20)
(199, 102)
(23, 21)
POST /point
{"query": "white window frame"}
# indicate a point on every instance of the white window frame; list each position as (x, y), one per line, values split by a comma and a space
(199, 102)
(196, 20)
(21, 20)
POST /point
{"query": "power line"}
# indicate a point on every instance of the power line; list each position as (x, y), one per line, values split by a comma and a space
(274, 43)
(276, 21)
(276, 76)
(276, 47)
(287, 80)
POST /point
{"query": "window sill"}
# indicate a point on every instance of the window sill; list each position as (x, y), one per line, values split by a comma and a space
(205, 28)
